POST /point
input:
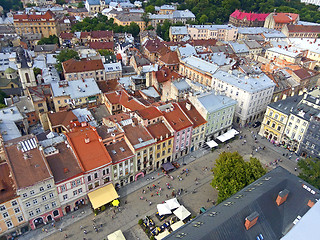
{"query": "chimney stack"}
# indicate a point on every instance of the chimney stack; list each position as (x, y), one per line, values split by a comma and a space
(282, 197)
(310, 203)
(87, 139)
(251, 220)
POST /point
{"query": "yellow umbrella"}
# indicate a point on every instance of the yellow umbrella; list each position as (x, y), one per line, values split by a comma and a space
(115, 202)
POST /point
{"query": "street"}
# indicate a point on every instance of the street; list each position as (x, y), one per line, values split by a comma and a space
(196, 193)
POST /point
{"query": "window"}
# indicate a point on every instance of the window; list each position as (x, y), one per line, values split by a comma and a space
(65, 196)
(35, 201)
(5, 215)
(2, 207)
(75, 193)
(96, 184)
(32, 192)
(273, 125)
(31, 213)
(304, 124)
(169, 142)
(158, 147)
(89, 178)
(41, 189)
(44, 198)
(16, 210)
(9, 224)
(163, 153)
(63, 188)
(90, 186)
(276, 116)
(73, 183)
(38, 210)
(51, 195)
(78, 181)
(46, 207)
(80, 190)
(279, 128)
(281, 119)
(48, 186)
(270, 114)
(53, 204)
(95, 175)
(290, 124)
(28, 204)
(24, 195)
(20, 218)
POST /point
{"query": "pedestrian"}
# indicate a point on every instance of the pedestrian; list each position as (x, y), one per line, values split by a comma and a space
(295, 169)
(60, 229)
(101, 225)
(150, 203)
(46, 230)
(85, 231)
(93, 220)
(65, 236)
(42, 229)
(167, 196)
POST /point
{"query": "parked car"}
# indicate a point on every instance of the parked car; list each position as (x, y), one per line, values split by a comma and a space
(256, 124)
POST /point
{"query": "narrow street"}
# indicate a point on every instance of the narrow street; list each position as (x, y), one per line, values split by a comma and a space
(195, 194)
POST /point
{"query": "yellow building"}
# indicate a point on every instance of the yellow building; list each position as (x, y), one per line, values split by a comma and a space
(124, 19)
(274, 122)
(164, 143)
(46, 24)
(12, 219)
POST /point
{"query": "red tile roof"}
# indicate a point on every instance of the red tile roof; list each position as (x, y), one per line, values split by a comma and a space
(64, 165)
(101, 34)
(137, 134)
(62, 118)
(130, 102)
(165, 74)
(285, 17)
(118, 117)
(92, 154)
(304, 73)
(34, 17)
(159, 130)
(119, 151)
(7, 186)
(113, 97)
(101, 45)
(304, 28)
(29, 167)
(68, 36)
(153, 46)
(72, 65)
(249, 16)
(176, 118)
(192, 114)
(171, 58)
(84, 34)
(149, 113)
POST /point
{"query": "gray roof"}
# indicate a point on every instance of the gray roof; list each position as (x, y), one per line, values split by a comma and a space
(200, 65)
(76, 88)
(187, 50)
(239, 47)
(284, 52)
(45, 48)
(252, 44)
(179, 30)
(181, 85)
(287, 104)
(247, 83)
(212, 27)
(226, 220)
(213, 103)
(9, 116)
(183, 14)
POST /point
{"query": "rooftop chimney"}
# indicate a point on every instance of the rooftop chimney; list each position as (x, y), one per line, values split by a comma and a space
(282, 197)
(251, 220)
(87, 139)
(188, 106)
(310, 203)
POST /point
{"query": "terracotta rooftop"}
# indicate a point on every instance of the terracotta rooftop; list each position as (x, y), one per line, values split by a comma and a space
(113, 97)
(170, 58)
(165, 74)
(34, 17)
(106, 132)
(101, 45)
(154, 45)
(176, 118)
(7, 187)
(304, 28)
(192, 114)
(65, 35)
(149, 113)
(130, 102)
(101, 34)
(249, 16)
(64, 165)
(138, 135)
(62, 118)
(107, 86)
(92, 154)
(304, 73)
(118, 117)
(72, 65)
(285, 17)
(84, 34)
(159, 130)
(119, 151)
(29, 167)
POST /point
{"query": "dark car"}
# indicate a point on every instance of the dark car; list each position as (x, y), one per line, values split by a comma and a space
(256, 124)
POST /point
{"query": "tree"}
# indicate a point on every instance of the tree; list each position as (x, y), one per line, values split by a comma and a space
(52, 39)
(65, 55)
(203, 19)
(150, 27)
(134, 29)
(37, 71)
(60, 2)
(80, 5)
(232, 173)
(310, 171)
(145, 18)
(105, 52)
(149, 9)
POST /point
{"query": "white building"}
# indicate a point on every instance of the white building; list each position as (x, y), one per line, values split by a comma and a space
(253, 93)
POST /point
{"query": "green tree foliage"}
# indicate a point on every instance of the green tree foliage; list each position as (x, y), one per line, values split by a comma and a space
(2, 97)
(105, 52)
(80, 5)
(37, 71)
(163, 30)
(60, 2)
(11, 5)
(102, 22)
(150, 27)
(149, 9)
(65, 55)
(310, 171)
(203, 19)
(232, 173)
(52, 39)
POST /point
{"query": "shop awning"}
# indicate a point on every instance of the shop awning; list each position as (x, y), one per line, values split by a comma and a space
(228, 135)
(182, 213)
(162, 235)
(117, 235)
(103, 196)
(212, 144)
(167, 166)
(233, 131)
(176, 225)
(222, 138)
(172, 203)
(163, 209)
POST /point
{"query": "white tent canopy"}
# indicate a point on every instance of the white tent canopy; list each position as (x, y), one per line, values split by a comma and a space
(228, 135)
(233, 131)
(163, 209)
(173, 203)
(212, 144)
(117, 235)
(182, 213)
(176, 225)
(162, 235)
